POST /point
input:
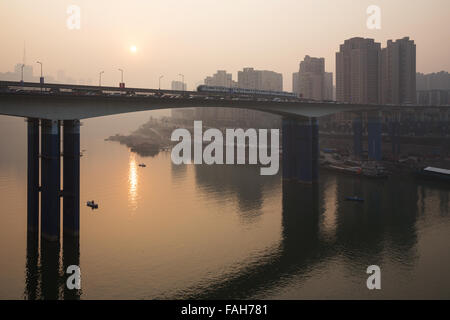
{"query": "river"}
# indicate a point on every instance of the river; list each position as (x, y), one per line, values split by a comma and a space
(224, 231)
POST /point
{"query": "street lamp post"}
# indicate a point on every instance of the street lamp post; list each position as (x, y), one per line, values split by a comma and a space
(21, 79)
(160, 77)
(41, 79)
(41, 67)
(122, 84)
(100, 78)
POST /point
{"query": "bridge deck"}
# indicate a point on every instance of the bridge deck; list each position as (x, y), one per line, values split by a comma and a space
(80, 102)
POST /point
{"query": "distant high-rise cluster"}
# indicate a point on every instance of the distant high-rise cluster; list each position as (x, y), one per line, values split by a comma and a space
(312, 82)
(398, 72)
(358, 71)
(433, 81)
(29, 76)
(250, 78)
(178, 85)
(365, 73)
(328, 86)
(295, 84)
(433, 88)
(311, 77)
(221, 79)
(27, 72)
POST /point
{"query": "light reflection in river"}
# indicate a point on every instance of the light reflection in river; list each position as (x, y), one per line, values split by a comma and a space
(133, 180)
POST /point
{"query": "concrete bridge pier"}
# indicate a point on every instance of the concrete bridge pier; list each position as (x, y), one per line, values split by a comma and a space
(357, 137)
(374, 136)
(301, 150)
(394, 133)
(51, 180)
(308, 146)
(33, 176)
(71, 178)
(288, 149)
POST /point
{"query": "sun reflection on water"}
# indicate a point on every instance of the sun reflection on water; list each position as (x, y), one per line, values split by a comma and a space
(133, 179)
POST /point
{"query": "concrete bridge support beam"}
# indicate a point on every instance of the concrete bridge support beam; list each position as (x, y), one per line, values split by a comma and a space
(394, 132)
(33, 176)
(71, 178)
(307, 146)
(374, 137)
(51, 180)
(301, 150)
(289, 163)
(357, 137)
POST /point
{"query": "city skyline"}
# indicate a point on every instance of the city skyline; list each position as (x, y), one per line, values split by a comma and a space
(167, 46)
(223, 78)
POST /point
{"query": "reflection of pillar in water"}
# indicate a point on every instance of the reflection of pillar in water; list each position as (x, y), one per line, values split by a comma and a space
(50, 166)
(33, 176)
(300, 216)
(71, 256)
(50, 270)
(71, 177)
(32, 272)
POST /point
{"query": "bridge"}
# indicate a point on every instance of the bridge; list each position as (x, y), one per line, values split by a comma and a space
(57, 109)
(76, 102)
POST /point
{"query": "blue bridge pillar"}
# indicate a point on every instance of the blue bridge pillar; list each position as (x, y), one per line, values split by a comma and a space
(51, 175)
(301, 150)
(288, 149)
(33, 176)
(307, 150)
(374, 137)
(357, 137)
(394, 133)
(71, 178)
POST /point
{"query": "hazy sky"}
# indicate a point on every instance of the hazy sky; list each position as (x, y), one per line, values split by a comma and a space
(197, 37)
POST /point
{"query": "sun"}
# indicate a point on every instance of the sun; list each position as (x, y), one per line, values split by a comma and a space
(133, 49)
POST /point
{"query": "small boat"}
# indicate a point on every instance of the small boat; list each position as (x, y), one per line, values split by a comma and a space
(354, 198)
(92, 205)
(143, 165)
(344, 169)
(433, 173)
